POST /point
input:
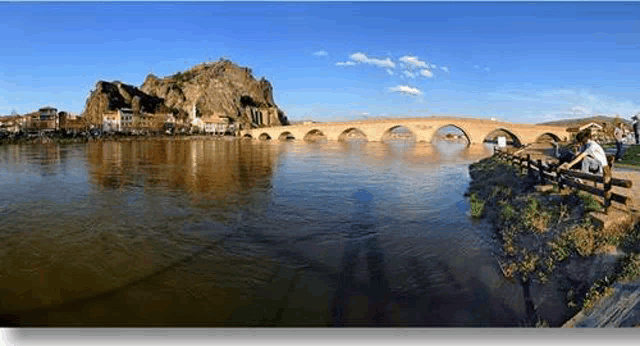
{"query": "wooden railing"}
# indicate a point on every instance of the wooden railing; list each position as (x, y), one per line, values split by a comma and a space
(546, 173)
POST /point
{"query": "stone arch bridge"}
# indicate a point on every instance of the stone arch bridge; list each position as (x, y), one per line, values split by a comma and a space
(422, 129)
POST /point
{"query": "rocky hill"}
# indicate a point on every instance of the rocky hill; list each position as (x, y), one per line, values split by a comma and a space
(211, 89)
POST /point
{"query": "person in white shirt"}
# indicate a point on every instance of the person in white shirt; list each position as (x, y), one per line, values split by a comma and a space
(592, 156)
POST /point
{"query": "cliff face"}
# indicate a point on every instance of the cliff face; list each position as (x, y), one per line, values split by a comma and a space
(111, 96)
(215, 89)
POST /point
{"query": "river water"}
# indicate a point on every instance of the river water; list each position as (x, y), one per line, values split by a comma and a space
(247, 233)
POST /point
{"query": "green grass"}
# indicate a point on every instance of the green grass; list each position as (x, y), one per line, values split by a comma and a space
(631, 156)
(507, 212)
(477, 206)
(590, 202)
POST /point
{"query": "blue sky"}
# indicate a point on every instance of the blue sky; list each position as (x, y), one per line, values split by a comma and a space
(519, 62)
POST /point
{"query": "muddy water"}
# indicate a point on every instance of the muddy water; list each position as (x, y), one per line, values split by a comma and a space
(247, 233)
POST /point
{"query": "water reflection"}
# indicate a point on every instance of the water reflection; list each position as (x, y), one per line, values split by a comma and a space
(203, 169)
(246, 233)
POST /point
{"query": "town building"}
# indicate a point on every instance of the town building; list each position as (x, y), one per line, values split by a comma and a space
(126, 119)
(70, 123)
(216, 124)
(596, 129)
(111, 122)
(44, 120)
(9, 124)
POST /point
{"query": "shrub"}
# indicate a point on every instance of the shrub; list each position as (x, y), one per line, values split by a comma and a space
(600, 289)
(477, 206)
(534, 217)
(507, 212)
(631, 269)
(501, 191)
(589, 201)
(583, 238)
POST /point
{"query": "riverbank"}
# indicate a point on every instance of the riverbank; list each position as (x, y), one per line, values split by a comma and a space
(550, 243)
(99, 138)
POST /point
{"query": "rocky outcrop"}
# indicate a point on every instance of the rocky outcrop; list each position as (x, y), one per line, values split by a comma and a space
(111, 96)
(219, 88)
(210, 89)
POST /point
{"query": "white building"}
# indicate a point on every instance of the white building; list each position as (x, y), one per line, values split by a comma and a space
(111, 122)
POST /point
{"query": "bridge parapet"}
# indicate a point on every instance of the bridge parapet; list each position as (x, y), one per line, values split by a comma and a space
(424, 129)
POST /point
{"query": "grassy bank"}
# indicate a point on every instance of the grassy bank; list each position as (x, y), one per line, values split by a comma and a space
(631, 156)
(547, 239)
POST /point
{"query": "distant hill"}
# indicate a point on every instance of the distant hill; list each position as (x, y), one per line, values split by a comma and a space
(582, 121)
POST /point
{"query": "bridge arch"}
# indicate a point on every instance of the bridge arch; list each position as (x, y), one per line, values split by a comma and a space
(264, 137)
(286, 136)
(545, 137)
(399, 132)
(315, 135)
(437, 132)
(516, 141)
(352, 133)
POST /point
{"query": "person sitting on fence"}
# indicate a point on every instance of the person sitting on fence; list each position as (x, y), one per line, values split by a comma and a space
(568, 153)
(592, 156)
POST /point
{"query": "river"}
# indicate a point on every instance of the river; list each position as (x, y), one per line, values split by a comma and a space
(247, 233)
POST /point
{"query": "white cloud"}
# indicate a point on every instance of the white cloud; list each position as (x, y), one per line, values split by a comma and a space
(581, 110)
(409, 74)
(390, 72)
(363, 58)
(433, 66)
(487, 69)
(321, 53)
(413, 62)
(566, 103)
(426, 73)
(405, 89)
(476, 67)
(445, 69)
(346, 63)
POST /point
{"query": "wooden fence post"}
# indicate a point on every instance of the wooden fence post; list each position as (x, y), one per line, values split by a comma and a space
(558, 178)
(528, 165)
(520, 165)
(607, 188)
(541, 171)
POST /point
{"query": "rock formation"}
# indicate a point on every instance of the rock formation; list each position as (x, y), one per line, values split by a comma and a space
(211, 89)
(111, 96)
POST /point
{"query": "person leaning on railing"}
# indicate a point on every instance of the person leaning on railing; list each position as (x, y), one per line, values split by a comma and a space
(592, 156)
(568, 153)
